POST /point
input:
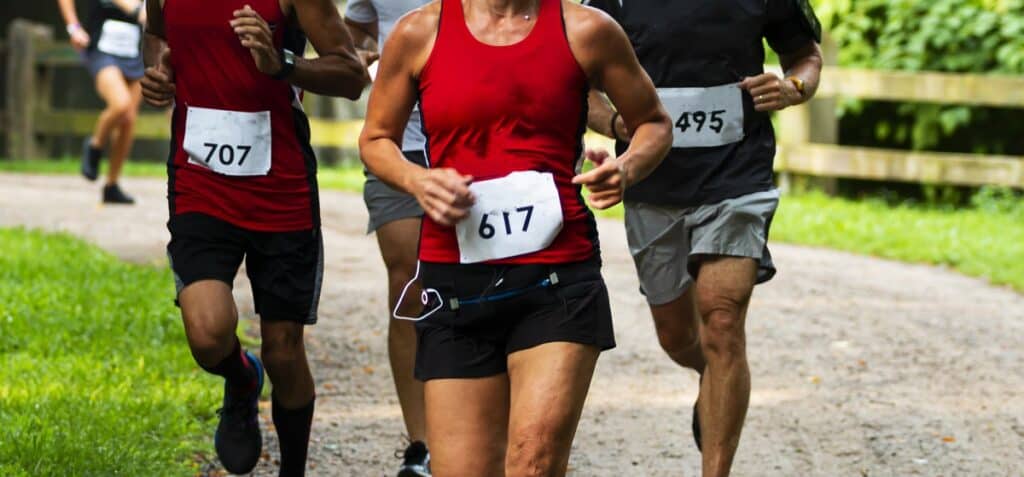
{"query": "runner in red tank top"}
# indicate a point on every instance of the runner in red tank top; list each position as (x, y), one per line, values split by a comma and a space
(516, 311)
(242, 185)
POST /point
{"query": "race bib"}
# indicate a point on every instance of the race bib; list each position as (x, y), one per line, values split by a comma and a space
(705, 117)
(515, 215)
(120, 39)
(228, 142)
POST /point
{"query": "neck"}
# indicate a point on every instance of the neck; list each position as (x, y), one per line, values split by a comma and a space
(506, 8)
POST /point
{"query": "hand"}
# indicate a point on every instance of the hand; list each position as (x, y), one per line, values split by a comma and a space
(444, 195)
(606, 182)
(771, 93)
(255, 34)
(79, 38)
(158, 83)
(368, 56)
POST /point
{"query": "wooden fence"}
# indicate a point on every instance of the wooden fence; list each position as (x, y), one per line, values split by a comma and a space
(807, 135)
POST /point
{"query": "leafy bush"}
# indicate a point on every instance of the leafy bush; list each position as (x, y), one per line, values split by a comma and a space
(980, 36)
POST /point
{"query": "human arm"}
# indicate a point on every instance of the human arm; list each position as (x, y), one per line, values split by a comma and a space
(338, 71)
(361, 20)
(772, 93)
(79, 38)
(443, 193)
(605, 53)
(602, 118)
(158, 82)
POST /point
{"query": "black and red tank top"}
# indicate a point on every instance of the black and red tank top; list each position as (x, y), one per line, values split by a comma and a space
(214, 72)
(489, 111)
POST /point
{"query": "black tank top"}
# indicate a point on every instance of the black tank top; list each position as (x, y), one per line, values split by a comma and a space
(99, 12)
(700, 43)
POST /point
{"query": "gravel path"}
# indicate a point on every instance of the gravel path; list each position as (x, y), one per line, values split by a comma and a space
(862, 367)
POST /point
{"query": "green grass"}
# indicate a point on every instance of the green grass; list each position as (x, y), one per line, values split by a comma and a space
(96, 378)
(988, 244)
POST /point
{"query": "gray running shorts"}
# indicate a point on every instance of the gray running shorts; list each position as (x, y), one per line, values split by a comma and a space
(667, 242)
(386, 204)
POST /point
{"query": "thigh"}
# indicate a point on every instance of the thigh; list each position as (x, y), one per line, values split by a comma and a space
(208, 309)
(112, 87)
(725, 284)
(286, 273)
(399, 243)
(467, 423)
(678, 318)
(203, 248)
(736, 227)
(549, 385)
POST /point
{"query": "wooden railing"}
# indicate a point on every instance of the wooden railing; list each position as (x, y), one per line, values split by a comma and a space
(807, 135)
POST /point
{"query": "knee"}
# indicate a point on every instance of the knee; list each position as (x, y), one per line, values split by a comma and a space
(677, 340)
(723, 336)
(121, 110)
(208, 338)
(533, 454)
(283, 351)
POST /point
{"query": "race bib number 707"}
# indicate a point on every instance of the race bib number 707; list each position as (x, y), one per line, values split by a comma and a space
(231, 143)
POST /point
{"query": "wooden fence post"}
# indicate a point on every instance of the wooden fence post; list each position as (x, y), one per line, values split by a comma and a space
(24, 88)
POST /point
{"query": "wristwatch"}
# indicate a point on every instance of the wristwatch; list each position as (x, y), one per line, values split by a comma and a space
(287, 65)
(799, 83)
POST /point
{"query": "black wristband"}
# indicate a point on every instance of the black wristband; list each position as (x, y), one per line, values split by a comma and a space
(615, 133)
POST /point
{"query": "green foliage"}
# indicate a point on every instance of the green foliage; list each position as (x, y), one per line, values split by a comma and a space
(97, 379)
(981, 36)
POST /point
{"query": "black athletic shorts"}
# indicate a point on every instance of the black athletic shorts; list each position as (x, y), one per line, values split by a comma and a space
(474, 339)
(284, 268)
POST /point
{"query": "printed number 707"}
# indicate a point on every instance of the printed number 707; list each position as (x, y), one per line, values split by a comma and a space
(226, 153)
(487, 230)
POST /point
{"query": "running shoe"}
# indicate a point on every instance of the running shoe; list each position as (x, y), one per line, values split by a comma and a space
(238, 440)
(112, 194)
(415, 461)
(695, 423)
(90, 160)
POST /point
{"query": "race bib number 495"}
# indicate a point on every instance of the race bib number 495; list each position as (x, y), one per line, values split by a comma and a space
(704, 117)
(231, 143)
(514, 215)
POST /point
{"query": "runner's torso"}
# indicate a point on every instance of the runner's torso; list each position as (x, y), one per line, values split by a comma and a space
(688, 46)
(386, 13)
(240, 146)
(489, 111)
(113, 31)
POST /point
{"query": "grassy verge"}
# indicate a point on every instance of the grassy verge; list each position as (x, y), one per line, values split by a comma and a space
(96, 379)
(988, 244)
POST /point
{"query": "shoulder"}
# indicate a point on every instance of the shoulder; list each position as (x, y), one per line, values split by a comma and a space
(590, 26)
(593, 35)
(419, 26)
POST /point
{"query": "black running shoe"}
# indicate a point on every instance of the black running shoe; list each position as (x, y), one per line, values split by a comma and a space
(238, 440)
(695, 423)
(415, 461)
(112, 194)
(91, 160)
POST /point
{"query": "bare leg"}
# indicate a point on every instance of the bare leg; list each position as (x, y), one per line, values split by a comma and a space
(398, 242)
(284, 355)
(210, 317)
(112, 87)
(549, 387)
(723, 291)
(467, 425)
(122, 142)
(678, 326)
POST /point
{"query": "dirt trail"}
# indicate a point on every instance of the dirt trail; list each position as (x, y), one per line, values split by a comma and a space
(862, 367)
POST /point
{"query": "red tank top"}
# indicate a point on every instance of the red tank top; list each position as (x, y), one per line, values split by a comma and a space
(492, 110)
(213, 70)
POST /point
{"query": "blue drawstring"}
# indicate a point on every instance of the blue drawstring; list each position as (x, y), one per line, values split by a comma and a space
(456, 303)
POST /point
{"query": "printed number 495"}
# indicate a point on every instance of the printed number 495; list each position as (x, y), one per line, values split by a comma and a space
(701, 118)
(226, 153)
(487, 230)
